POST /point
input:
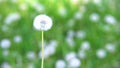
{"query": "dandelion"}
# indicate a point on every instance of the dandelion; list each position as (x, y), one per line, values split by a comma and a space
(82, 54)
(60, 64)
(17, 39)
(85, 45)
(12, 17)
(42, 23)
(110, 19)
(94, 17)
(78, 15)
(110, 47)
(74, 63)
(81, 34)
(31, 55)
(70, 56)
(101, 53)
(5, 43)
(5, 65)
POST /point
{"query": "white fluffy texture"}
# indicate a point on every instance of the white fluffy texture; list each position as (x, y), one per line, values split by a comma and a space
(69, 38)
(94, 17)
(5, 52)
(101, 53)
(42, 22)
(5, 43)
(74, 63)
(110, 47)
(12, 17)
(81, 34)
(48, 51)
(5, 65)
(17, 39)
(82, 54)
(78, 15)
(60, 64)
(31, 55)
(110, 19)
(70, 56)
(85, 45)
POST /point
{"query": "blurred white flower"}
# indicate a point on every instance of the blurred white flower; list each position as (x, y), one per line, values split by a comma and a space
(74, 63)
(5, 43)
(12, 17)
(42, 22)
(80, 34)
(5, 65)
(81, 54)
(110, 47)
(94, 17)
(70, 56)
(60, 64)
(48, 51)
(70, 34)
(62, 11)
(85, 45)
(70, 41)
(78, 15)
(5, 53)
(23, 6)
(101, 53)
(17, 39)
(31, 55)
(110, 19)
(53, 43)
(38, 7)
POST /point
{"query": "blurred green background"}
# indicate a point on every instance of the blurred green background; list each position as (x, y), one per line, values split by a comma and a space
(85, 34)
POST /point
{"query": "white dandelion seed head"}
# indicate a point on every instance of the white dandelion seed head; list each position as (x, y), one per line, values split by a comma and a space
(85, 45)
(42, 22)
(81, 34)
(74, 63)
(82, 54)
(60, 64)
(31, 55)
(5, 43)
(12, 17)
(78, 15)
(110, 47)
(94, 17)
(110, 19)
(5, 65)
(101, 53)
(70, 56)
(17, 39)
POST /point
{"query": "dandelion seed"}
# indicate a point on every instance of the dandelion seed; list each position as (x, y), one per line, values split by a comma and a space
(60, 64)
(5, 43)
(94, 17)
(17, 39)
(74, 63)
(101, 53)
(12, 17)
(110, 19)
(110, 47)
(85, 45)
(42, 22)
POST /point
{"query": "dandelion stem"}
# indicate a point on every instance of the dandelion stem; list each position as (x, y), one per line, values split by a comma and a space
(42, 63)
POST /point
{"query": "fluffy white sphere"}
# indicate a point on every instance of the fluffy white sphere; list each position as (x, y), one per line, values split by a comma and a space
(42, 22)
